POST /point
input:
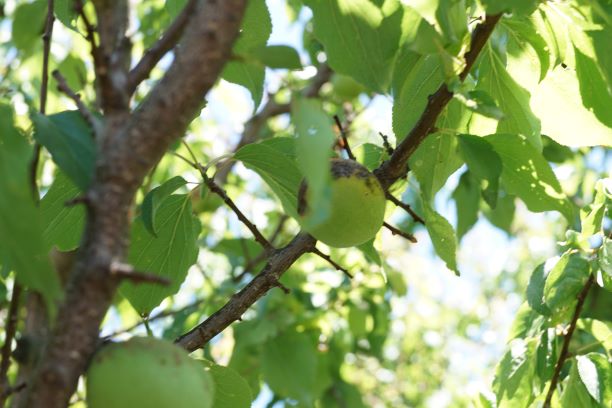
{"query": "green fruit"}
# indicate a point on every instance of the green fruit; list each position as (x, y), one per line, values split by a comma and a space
(346, 87)
(147, 372)
(357, 206)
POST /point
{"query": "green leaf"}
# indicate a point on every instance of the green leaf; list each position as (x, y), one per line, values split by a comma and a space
(289, 365)
(442, 236)
(370, 252)
(419, 35)
(480, 102)
(511, 98)
(20, 225)
(575, 393)
(254, 33)
(154, 198)
(370, 155)
(524, 39)
(314, 142)
(170, 254)
(514, 375)
(596, 95)
(599, 330)
(603, 50)
(452, 19)
(591, 216)
(467, 199)
(484, 163)
(422, 80)
(434, 161)
(75, 72)
(563, 283)
(28, 25)
(526, 174)
(65, 12)
(535, 291)
(360, 39)
(174, 7)
(247, 74)
(587, 371)
(231, 390)
(520, 7)
(276, 56)
(276, 168)
(62, 224)
(256, 27)
(69, 140)
(595, 373)
(605, 256)
(503, 214)
(556, 101)
(526, 323)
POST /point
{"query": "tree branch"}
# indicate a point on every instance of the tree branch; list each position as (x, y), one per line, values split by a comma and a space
(395, 167)
(388, 172)
(240, 302)
(153, 55)
(62, 86)
(10, 329)
(567, 339)
(128, 148)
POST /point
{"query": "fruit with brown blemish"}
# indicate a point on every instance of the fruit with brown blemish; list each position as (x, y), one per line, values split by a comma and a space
(147, 372)
(357, 207)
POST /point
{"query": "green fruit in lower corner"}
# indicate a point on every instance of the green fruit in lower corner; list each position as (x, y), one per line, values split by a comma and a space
(147, 372)
(357, 207)
(346, 87)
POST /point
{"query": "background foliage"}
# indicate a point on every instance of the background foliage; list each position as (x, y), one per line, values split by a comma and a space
(510, 181)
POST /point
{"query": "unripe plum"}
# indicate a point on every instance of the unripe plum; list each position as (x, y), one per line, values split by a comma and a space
(147, 372)
(357, 206)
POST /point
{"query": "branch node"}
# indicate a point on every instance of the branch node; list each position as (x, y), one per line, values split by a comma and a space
(397, 231)
(282, 287)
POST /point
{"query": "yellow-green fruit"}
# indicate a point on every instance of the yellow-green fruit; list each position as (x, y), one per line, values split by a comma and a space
(346, 87)
(357, 206)
(147, 372)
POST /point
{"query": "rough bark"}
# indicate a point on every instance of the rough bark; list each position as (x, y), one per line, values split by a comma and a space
(128, 146)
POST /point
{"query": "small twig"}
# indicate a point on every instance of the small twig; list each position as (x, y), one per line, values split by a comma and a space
(405, 207)
(344, 139)
(333, 263)
(62, 86)
(283, 287)
(567, 339)
(396, 231)
(215, 188)
(11, 390)
(90, 35)
(262, 255)
(386, 143)
(127, 272)
(158, 316)
(10, 330)
(153, 55)
(44, 86)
